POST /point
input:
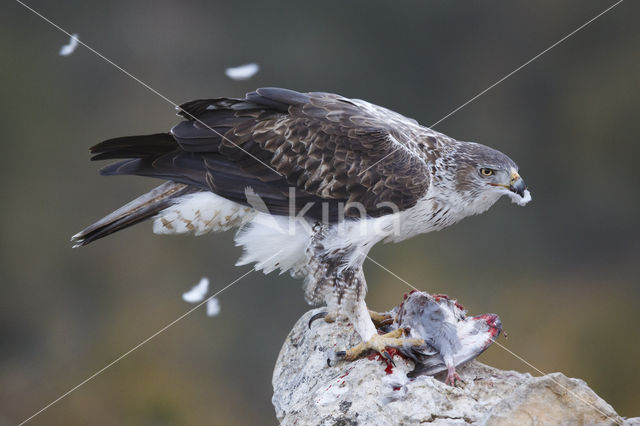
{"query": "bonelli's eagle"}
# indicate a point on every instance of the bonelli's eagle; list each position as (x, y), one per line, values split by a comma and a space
(311, 181)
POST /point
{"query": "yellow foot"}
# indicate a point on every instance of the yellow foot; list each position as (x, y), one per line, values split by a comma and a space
(379, 343)
(380, 319)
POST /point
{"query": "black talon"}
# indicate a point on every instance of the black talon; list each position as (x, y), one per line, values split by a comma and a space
(317, 316)
(388, 357)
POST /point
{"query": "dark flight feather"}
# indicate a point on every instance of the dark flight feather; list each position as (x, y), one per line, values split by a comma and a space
(320, 144)
(142, 208)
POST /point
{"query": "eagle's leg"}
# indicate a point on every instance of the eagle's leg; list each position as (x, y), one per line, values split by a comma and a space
(346, 297)
(380, 318)
(379, 343)
(371, 340)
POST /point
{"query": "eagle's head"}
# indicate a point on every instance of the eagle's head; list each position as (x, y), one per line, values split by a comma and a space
(483, 175)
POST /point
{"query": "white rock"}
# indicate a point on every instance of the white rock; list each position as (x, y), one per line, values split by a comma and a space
(307, 391)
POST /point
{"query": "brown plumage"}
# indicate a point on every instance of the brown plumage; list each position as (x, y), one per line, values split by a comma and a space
(321, 144)
(388, 177)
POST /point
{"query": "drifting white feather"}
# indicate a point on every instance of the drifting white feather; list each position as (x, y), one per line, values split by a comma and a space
(68, 48)
(197, 292)
(213, 307)
(242, 72)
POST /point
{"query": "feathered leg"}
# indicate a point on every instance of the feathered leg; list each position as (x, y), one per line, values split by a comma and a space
(335, 276)
(350, 290)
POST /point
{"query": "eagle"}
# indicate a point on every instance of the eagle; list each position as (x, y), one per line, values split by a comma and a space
(310, 181)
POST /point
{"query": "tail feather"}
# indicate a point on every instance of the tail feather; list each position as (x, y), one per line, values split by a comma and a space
(143, 207)
(134, 147)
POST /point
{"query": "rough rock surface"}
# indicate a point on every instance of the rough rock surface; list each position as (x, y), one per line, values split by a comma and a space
(366, 392)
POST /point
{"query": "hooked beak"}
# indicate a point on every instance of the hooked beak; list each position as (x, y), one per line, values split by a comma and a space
(517, 184)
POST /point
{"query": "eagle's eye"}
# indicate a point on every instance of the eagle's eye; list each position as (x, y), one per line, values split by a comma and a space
(487, 172)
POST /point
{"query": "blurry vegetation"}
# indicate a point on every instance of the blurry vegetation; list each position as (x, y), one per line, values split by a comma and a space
(562, 273)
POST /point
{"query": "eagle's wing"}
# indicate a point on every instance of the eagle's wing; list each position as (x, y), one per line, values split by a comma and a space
(326, 147)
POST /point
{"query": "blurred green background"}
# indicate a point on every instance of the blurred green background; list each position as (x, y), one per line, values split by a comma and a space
(562, 273)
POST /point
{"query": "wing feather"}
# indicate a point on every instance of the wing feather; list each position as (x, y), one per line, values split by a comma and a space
(323, 144)
(328, 148)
